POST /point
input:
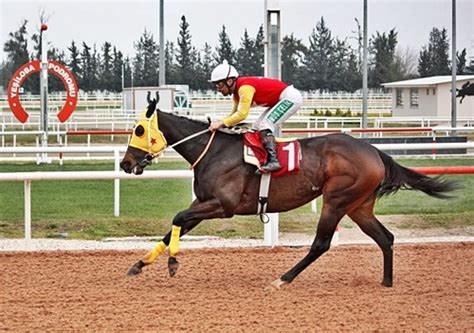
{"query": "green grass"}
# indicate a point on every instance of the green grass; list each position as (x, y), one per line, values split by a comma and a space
(84, 209)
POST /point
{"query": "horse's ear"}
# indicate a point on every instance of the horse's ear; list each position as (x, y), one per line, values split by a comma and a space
(151, 105)
(157, 97)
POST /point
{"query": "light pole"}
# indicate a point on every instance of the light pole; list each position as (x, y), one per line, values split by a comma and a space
(44, 93)
(162, 70)
(364, 72)
(453, 72)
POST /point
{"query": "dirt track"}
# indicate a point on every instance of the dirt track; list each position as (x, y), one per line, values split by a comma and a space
(223, 290)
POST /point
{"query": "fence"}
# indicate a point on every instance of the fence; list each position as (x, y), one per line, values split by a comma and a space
(270, 229)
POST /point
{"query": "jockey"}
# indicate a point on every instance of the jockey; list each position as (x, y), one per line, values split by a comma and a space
(280, 100)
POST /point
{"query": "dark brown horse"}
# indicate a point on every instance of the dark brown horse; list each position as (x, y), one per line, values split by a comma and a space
(467, 89)
(349, 173)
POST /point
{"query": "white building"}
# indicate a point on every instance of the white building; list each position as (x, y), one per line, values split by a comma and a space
(429, 97)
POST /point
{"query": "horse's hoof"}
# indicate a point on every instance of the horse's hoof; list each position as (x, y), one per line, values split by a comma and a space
(173, 266)
(387, 283)
(276, 285)
(136, 268)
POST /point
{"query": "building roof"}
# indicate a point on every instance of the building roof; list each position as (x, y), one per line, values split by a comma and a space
(427, 81)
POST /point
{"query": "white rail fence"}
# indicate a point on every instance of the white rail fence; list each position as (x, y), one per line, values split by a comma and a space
(270, 228)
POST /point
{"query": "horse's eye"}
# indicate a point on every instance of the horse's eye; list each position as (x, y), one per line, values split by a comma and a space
(139, 130)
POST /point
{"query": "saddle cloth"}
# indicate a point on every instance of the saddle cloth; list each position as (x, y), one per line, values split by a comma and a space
(288, 152)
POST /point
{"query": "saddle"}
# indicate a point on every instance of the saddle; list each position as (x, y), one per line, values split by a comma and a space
(288, 152)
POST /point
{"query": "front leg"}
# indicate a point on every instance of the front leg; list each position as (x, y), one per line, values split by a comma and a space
(203, 211)
(154, 253)
(173, 264)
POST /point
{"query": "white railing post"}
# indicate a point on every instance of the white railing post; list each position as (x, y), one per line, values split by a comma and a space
(270, 230)
(117, 184)
(27, 198)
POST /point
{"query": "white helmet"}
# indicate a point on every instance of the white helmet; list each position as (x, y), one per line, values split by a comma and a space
(223, 71)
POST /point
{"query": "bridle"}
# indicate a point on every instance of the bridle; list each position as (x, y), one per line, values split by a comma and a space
(150, 155)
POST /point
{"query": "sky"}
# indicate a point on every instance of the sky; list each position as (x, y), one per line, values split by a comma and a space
(123, 22)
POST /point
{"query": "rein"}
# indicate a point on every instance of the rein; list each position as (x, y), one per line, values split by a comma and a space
(149, 157)
(205, 150)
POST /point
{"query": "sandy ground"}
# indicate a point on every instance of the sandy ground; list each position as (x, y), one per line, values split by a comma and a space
(223, 290)
(72, 285)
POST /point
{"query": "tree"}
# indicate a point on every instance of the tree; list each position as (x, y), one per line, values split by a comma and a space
(205, 67)
(224, 50)
(106, 70)
(245, 55)
(434, 57)
(317, 60)
(345, 74)
(117, 74)
(461, 62)
(146, 61)
(75, 61)
(292, 54)
(259, 51)
(170, 64)
(383, 55)
(16, 49)
(404, 64)
(470, 67)
(185, 56)
(87, 80)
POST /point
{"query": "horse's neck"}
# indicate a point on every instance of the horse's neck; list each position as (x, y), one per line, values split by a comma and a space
(177, 128)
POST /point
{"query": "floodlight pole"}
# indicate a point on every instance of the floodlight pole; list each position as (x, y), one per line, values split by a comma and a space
(44, 93)
(364, 72)
(453, 71)
(162, 70)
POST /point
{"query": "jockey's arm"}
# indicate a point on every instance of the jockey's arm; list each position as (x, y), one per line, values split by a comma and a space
(241, 109)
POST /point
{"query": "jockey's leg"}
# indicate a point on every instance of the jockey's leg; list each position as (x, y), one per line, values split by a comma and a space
(269, 143)
(289, 103)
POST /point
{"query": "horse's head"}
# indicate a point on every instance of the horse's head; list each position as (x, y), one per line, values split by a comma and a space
(146, 141)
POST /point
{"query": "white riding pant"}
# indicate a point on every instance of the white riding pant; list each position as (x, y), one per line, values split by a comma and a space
(289, 103)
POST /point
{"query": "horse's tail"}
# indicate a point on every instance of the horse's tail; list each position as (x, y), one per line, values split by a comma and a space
(397, 177)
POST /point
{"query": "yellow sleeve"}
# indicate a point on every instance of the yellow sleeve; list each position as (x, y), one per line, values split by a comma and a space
(241, 110)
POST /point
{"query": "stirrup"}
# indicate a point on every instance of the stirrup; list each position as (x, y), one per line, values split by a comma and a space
(270, 167)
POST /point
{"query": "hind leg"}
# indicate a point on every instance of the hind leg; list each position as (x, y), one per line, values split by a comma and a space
(327, 224)
(366, 220)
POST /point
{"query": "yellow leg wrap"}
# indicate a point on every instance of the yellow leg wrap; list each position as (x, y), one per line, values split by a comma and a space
(151, 256)
(174, 243)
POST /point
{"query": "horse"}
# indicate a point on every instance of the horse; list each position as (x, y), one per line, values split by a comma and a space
(467, 89)
(349, 173)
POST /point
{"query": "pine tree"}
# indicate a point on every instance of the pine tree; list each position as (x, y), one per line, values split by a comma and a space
(117, 64)
(292, 54)
(170, 64)
(424, 63)
(106, 68)
(383, 54)
(16, 49)
(184, 56)
(434, 58)
(208, 63)
(75, 62)
(224, 50)
(244, 58)
(146, 61)
(259, 51)
(461, 62)
(318, 58)
(87, 80)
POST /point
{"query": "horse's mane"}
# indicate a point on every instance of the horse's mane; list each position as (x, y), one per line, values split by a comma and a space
(233, 131)
(195, 121)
